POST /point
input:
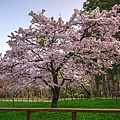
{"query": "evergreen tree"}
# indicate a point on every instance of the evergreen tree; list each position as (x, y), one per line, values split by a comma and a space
(102, 4)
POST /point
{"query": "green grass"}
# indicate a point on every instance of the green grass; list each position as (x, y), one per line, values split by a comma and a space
(78, 103)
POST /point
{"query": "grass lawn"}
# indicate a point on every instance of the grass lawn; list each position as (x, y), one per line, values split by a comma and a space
(78, 103)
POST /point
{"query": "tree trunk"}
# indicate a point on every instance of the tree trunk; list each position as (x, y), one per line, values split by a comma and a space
(56, 91)
(13, 102)
(108, 85)
(71, 93)
(117, 87)
(65, 96)
(103, 85)
(113, 86)
(88, 94)
(92, 85)
(97, 83)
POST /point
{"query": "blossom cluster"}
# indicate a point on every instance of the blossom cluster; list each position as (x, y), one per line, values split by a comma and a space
(51, 52)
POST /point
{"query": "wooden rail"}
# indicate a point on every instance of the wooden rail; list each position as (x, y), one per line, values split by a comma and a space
(72, 110)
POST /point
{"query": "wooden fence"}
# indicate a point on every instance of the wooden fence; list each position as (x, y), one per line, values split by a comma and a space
(72, 110)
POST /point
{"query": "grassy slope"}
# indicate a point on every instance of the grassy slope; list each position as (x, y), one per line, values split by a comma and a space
(98, 103)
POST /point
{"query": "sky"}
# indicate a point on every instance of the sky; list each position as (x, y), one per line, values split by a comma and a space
(14, 14)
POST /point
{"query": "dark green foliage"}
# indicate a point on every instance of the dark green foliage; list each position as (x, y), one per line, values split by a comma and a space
(79, 103)
(115, 71)
(103, 4)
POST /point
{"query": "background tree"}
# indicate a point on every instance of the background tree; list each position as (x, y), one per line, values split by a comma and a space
(89, 5)
(50, 52)
(11, 93)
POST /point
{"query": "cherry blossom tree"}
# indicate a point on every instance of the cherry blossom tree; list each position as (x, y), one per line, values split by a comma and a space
(52, 52)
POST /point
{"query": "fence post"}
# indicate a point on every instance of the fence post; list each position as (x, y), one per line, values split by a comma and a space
(28, 115)
(73, 115)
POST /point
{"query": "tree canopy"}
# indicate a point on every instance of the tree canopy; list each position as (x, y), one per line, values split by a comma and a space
(52, 52)
(89, 5)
